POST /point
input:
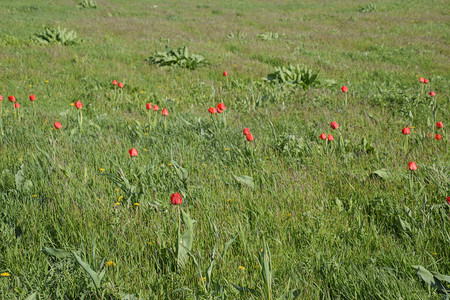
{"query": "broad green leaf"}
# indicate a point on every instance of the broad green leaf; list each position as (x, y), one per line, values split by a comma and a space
(32, 296)
(94, 276)
(56, 252)
(246, 180)
(431, 279)
(185, 241)
(382, 173)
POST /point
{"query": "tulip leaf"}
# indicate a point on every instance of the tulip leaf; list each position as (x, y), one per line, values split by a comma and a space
(56, 252)
(94, 276)
(382, 173)
(246, 180)
(433, 279)
(185, 241)
(32, 296)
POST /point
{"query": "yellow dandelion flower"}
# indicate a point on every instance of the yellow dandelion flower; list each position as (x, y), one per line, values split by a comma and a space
(235, 66)
(46, 81)
(5, 274)
(257, 267)
(73, 104)
(146, 133)
(34, 196)
(120, 198)
(241, 267)
(116, 189)
(29, 85)
(412, 127)
(170, 165)
(204, 164)
(289, 214)
(141, 92)
(227, 149)
(145, 149)
(204, 278)
(149, 243)
(117, 203)
(102, 170)
(110, 263)
(137, 204)
(267, 157)
(230, 200)
(434, 253)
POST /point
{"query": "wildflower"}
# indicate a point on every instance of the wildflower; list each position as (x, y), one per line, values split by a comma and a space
(344, 89)
(57, 125)
(145, 149)
(438, 137)
(5, 274)
(110, 263)
(323, 136)
(116, 189)
(117, 203)
(227, 149)
(73, 104)
(330, 137)
(212, 110)
(334, 125)
(32, 97)
(148, 106)
(412, 166)
(170, 165)
(12, 98)
(241, 267)
(29, 85)
(16, 105)
(230, 200)
(46, 81)
(432, 94)
(448, 200)
(176, 199)
(421, 80)
(155, 107)
(221, 106)
(78, 105)
(165, 112)
(204, 278)
(426, 81)
(137, 204)
(149, 243)
(120, 85)
(102, 170)
(439, 124)
(1, 98)
(246, 131)
(115, 82)
(249, 137)
(225, 73)
(406, 131)
(120, 198)
(133, 152)
(34, 196)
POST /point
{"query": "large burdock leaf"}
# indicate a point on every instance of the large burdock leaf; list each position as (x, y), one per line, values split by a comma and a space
(185, 241)
(246, 180)
(433, 279)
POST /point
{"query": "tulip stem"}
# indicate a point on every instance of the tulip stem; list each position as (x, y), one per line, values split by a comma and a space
(80, 119)
(411, 182)
(165, 123)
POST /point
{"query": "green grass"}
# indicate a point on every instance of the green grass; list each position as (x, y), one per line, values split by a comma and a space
(334, 229)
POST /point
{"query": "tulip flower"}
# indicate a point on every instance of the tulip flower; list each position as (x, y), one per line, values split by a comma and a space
(406, 131)
(32, 97)
(421, 80)
(148, 106)
(115, 82)
(165, 112)
(155, 107)
(176, 199)
(16, 105)
(249, 137)
(246, 131)
(221, 106)
(448, 200)
(344, 89)
(120, 85)
(1, 98)
(78, 105)
(438, 137)
(323, 136)
(12, 98)
(439, 124)
(57, 125)
(133, 152)
(426, 81)
(432, 94)
(212, 110)
(412, 166)
(225, 73)
(334, 125)
(330, 137)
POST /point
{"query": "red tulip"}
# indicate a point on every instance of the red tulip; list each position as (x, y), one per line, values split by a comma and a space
(12, 98)
(249, 137)
(120, 85)
(212, 110)
(114, 82)
(421, 80)
(246, 131)
(16, 105)
(406, 131)
(432, 94)
(439, 124)
(323, 136)
(412, 166)
(133, 152)
(225, 73)
(165, 112)
(155, 107)
(1, 98)
(148, 106)
(344, 89)
(219, 111)
(78, 105)
(334, 125)
(221, 106)
(32, 97)
(448, 200)
(176, 199)
(426, 81)
(330, 137)
(57, 125)
(438, 137)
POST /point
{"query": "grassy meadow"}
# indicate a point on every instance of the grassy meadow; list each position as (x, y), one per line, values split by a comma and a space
(285, 216)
